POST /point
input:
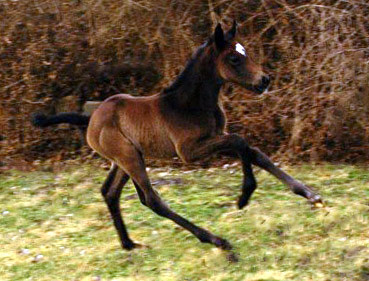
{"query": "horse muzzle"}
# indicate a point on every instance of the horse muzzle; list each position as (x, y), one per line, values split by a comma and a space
(262, 86)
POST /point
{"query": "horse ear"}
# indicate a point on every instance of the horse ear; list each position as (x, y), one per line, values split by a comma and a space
(232, 32)
(219, 37)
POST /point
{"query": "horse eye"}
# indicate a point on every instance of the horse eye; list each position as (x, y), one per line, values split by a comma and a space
(235, 60)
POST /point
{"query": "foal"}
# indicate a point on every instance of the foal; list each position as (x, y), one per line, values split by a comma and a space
(185, 120)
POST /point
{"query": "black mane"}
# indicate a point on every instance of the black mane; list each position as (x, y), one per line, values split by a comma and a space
(197, 86)
(188, 72)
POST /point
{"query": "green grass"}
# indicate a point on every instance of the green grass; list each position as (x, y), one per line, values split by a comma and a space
(279, 236)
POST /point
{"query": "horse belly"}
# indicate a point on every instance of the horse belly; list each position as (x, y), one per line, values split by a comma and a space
(159, 148)
(156, 145)
(140, 121)
(152, 139)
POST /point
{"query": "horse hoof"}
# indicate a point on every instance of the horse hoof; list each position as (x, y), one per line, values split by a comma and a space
(318, 205)
(232, 257)
(242, 202)
(134, 245)
(316, 201)
(222, 244)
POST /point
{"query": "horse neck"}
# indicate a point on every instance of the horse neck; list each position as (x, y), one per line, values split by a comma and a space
(197, 87)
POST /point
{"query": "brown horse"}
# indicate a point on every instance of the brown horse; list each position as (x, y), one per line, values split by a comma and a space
(186, 120)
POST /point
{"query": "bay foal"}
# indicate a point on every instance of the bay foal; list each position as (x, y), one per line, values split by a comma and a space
(186, 120)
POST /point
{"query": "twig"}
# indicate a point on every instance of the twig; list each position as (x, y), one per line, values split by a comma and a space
(12, 84)
(33, 102)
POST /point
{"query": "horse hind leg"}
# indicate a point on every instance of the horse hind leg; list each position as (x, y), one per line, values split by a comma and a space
(114, 145)
(134, 165)
(111, 191)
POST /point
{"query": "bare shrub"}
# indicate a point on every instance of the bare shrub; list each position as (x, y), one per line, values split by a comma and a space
(53, 52)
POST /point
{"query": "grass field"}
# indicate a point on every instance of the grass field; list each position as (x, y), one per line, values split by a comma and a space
(55, 226)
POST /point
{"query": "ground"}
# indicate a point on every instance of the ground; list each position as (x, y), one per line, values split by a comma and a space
(55, 226)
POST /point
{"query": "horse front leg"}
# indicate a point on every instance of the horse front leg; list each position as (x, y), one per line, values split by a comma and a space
(258, 158)
(221, 143)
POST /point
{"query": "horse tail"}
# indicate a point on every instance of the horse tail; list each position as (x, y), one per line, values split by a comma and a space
(74, 118)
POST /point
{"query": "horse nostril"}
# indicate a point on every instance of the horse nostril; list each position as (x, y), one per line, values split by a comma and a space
(265, 81)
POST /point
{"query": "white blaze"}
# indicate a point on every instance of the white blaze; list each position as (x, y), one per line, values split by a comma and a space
(240, 49)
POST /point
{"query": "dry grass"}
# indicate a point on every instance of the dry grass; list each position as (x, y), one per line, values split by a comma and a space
(278, 237)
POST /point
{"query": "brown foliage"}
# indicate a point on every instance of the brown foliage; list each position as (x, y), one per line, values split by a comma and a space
(54, 55)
